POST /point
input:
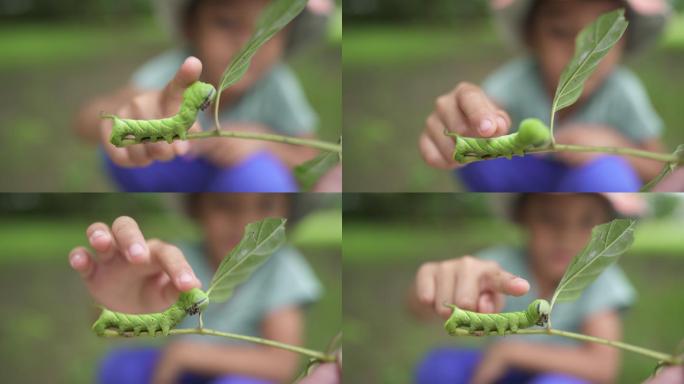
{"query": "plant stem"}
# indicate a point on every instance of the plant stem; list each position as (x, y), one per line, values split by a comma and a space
(258, 340)
(664, 157)
(321, 145)
(660, 356)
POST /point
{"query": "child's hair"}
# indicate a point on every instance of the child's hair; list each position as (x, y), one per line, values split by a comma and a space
(191, 203)
(534, 9)
(300, 32)
(521, 201)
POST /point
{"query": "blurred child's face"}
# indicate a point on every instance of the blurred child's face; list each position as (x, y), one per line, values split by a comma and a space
(223, 217)
(220, 29)
(558, 227)
(555, 25)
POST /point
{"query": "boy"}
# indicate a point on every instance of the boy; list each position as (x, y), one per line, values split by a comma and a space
(614, 109)
(267, 99)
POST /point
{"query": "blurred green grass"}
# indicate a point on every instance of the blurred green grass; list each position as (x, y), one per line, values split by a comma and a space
(383, 342)
(47, 314)
(48, 70)
(393, 74)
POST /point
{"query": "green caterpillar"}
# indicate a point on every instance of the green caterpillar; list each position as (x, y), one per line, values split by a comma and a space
(189, 303)
(466, 322)
(532, 133)
(196, 97)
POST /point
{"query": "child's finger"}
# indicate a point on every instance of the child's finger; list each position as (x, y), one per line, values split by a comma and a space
(447, 111)
(173, 262)
(467, 289)
(507, 283)
(425, 283)
(82, 261)
(130, 240)
(432, 155)
(102, 241)
(161, 151)
(444, 289)
(477, 110)
(435, 129)
(172, 95)
(138, 155)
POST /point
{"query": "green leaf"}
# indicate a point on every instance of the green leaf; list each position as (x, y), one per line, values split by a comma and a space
(260, 240)
(608, 242)
(591, 45)
(307, 174)
(274, 18)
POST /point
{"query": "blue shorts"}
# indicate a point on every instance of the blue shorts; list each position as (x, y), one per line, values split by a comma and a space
(457, 366)
(544, 174)
(261, 172)
(137, 366)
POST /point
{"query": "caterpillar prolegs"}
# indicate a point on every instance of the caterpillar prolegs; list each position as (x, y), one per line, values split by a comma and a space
(196, 97)
(467, 322)
(189, 303)
(532, 133)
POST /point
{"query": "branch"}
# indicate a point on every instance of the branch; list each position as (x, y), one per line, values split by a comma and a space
(663, 157)
(320, 356)
(321, 145)
(660, 356)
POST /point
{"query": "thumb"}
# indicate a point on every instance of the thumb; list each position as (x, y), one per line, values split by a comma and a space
(172, 94)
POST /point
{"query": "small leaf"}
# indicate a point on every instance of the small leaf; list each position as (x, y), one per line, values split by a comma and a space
(260, 240)
(608, 242)
(591, 45)
(307, 174)
(274, 18)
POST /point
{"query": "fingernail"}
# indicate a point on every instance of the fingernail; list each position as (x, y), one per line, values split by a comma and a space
(182, 147)
(136, 251)
(97, 234)
(75, 259)
(501, 122)
(486, 127)
(185, 278)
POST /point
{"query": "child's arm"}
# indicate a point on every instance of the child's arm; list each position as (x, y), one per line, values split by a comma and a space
(595, 363)
(468, 282)
(285, 325)
(597, 135)
(466, 110)
(129, 273)
(129, 103)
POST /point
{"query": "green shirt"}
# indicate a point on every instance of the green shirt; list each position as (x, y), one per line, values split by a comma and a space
(620, 102)
(610, 291)
(284, 280)
(277, 100)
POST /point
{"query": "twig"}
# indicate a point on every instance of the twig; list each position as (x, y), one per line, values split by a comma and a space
(321, 145)
(320, 356)
(660, 356)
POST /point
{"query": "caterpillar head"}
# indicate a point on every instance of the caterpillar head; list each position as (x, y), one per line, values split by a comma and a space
(541, 310)
(193, 301)
(199, 95)
(533, 132)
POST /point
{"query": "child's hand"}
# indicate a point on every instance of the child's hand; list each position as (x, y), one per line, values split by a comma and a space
(153, 105)
(468, 282)
(589, 135)
(224, 152)
(129, 273)
(467, 111)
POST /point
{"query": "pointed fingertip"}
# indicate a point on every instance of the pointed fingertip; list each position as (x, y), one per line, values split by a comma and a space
(519, 286)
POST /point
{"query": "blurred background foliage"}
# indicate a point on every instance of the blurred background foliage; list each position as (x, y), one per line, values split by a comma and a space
(55, 55)
(388, 236)
(47, 313)
(400, 55)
